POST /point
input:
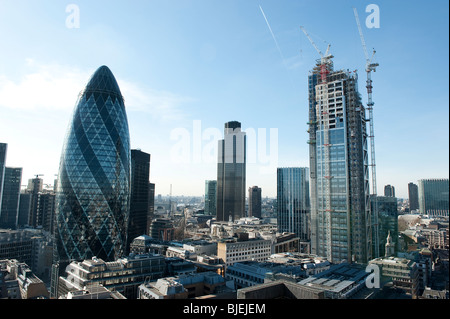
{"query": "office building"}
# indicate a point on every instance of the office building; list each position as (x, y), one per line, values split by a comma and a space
(123, 275)
(293, 202)
(341, 227)
(434, 197)
(162, 229)
(151, 205)
(34, 187)
(3, 149)
(254, 202)
(233, 250)
(10, 199)
(413, 194)
(93, 199)
(231, 170)
(387, 222)
(210, 198)
(389, 191)
(140, 174)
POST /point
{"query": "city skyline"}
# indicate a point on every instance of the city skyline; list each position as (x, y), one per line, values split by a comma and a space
(209, 62)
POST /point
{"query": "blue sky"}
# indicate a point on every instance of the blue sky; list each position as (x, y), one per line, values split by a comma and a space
(189, 66)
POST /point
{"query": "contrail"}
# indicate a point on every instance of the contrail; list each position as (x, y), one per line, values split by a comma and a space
(271, 32)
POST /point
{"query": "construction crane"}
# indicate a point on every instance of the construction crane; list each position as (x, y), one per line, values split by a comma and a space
(325, 59)
(370, 66)
(325, 65)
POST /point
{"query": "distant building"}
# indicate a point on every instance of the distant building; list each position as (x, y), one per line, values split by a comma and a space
(254, 202)
(389, 191)
(10, 198)
(413, 195)
(231, 173)
(151, 206)
(3, 149)
(210, 198)
(162, 229)
(434, 197)
(293, 202)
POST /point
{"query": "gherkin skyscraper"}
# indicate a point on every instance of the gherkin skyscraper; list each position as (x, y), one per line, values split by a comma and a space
(93, 196)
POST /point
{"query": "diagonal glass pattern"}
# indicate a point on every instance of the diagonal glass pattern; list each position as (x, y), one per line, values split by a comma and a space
(94, 177)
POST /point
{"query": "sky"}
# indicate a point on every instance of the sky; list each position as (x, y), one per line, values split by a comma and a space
(186, 67)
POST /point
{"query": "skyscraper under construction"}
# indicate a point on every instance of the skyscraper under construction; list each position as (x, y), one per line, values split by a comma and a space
(341, 226)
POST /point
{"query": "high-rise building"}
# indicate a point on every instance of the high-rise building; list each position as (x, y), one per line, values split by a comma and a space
(413, 194)
(10, 199)
(341, 227)
(389, 191)
(387, 222)
(293, 201)
(35, 187)
(140, 174)
(210, 198)
(254, 202)
(93, 199)
(151, 205)
(231, 169)
(3, 149)
(434, 197)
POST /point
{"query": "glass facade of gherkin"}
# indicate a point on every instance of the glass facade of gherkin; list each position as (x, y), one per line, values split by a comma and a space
(93, 196)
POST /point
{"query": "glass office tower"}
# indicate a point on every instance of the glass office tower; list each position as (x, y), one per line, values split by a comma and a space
(231, 173)
(11, 195)
(434, 197)
(210, 197)
(3, 148)
(293, 202)
(93, 198)
(341, 227)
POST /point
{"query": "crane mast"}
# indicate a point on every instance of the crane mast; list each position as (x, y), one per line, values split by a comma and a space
(369, 68)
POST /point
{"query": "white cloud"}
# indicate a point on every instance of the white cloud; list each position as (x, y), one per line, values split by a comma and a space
(56, 87)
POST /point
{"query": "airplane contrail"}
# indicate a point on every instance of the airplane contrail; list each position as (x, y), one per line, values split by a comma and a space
(271, 32)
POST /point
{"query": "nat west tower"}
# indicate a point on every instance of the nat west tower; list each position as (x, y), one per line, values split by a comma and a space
(231, 173)
(340, 212)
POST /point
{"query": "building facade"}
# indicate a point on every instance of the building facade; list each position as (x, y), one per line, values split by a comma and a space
(231, 251)
(389, 191)
(10, 200)
(3, 149)
(434, 197)
(231, 170)
(293, 201)
(140, 175)
(210, 198)
(93, 199)
(413, 195)
(340, 209)
(254, 202)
